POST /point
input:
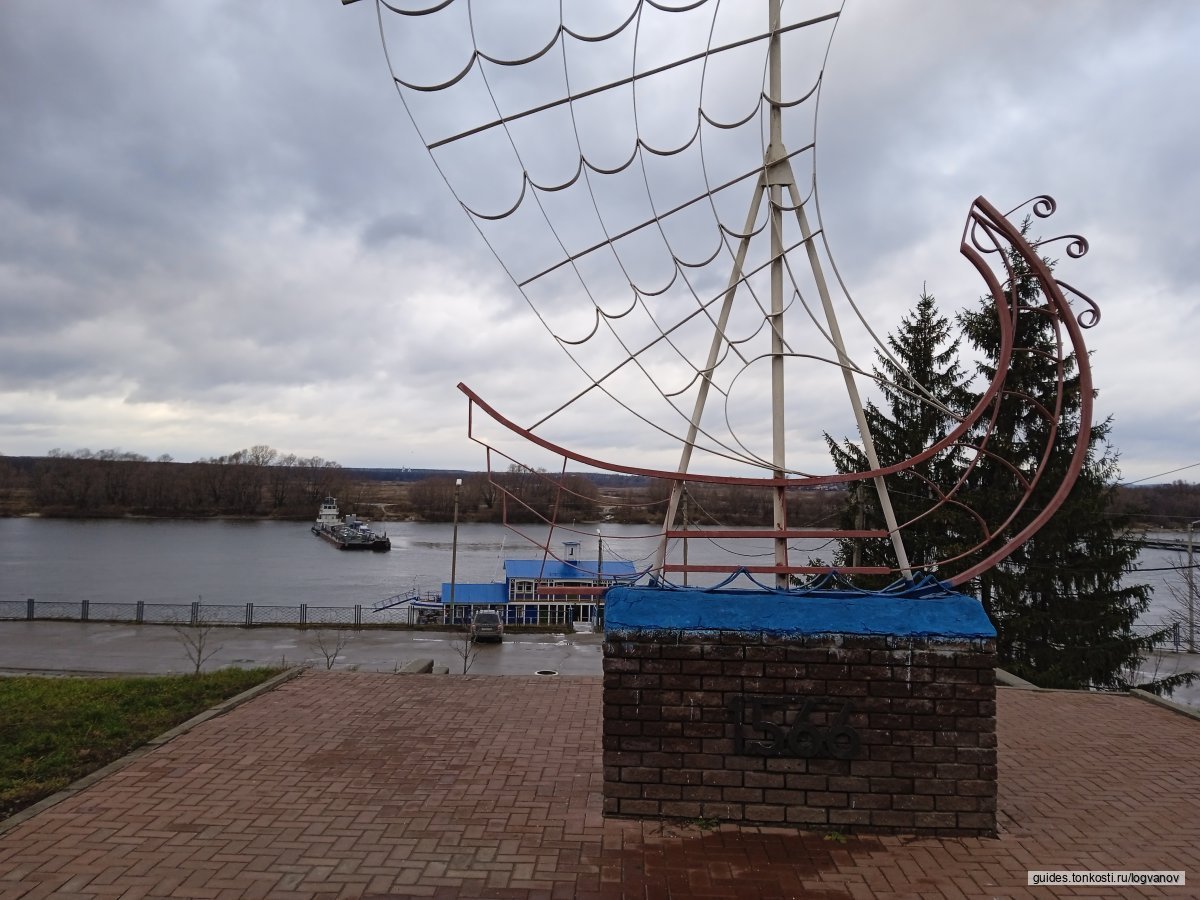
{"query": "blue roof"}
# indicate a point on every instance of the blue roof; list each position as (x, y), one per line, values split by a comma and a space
(494, 592)
(953, 616)
(553, 569)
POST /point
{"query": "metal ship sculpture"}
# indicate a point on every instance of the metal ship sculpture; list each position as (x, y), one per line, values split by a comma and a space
(645, 173)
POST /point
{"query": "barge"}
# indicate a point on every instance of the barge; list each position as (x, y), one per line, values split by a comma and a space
(348, 533)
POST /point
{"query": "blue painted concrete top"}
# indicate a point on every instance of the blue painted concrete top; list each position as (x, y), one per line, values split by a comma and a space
(952, 616)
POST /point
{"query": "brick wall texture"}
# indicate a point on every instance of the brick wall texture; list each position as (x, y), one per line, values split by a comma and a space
(833, 733)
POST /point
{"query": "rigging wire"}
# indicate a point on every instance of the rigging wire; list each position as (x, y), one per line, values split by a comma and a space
(732, 344)
(725, 449)
(1159, 475)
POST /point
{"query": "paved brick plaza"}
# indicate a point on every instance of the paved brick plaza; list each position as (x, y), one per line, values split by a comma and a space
(355, 785)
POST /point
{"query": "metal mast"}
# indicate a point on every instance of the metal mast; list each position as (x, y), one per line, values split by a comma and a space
(775, 183)
(778, 174)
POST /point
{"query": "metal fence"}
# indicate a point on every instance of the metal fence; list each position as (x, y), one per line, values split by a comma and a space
(1170, 636)
(197, 613)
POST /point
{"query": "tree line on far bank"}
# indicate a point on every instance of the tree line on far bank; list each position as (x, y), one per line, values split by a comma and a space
(263, 482)
(259, 481)
(266, 483)
(1158, 506)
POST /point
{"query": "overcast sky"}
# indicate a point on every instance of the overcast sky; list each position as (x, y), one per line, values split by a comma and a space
(218, 227)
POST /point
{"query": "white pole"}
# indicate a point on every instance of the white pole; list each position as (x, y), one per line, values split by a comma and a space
(714, 352)
(1191, 578)
(774, 154)
(686, 526)
(454, 549)
(860, 417)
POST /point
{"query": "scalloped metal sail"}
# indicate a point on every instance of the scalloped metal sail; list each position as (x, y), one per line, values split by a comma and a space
(645, 174)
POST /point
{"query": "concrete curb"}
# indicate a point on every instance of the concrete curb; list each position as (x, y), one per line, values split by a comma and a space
(1008, 679)
(117, 764)
(416, 667)
(1180, 708)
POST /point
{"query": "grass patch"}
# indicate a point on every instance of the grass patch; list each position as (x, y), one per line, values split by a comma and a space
(54, 731)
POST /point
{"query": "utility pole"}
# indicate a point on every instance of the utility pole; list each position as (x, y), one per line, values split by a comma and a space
(684, 502)
(454, 548)
(599, 558)
(598, 602)
(1191, 580)
(860, 522)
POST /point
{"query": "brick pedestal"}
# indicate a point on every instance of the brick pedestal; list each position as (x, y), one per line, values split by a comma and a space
(859, 714)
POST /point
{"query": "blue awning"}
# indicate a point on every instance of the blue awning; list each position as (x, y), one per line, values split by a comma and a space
(554, 570)
(492, 593)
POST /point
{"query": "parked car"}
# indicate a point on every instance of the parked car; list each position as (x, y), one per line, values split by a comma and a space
(486, 626)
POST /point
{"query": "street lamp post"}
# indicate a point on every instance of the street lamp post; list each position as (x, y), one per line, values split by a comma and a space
(599, 558)
(1191, 580)
(454, 549)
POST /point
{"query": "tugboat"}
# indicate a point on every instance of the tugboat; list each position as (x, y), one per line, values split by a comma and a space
(349, 533)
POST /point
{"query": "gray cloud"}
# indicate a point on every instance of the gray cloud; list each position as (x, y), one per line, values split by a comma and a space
(218, 227)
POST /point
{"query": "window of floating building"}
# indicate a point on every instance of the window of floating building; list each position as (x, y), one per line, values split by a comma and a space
(566, 596)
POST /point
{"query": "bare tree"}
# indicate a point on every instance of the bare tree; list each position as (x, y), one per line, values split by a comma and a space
(329, 645)
(281, 478)
(1183, 604)
(464, 648)
(484, 489)
(196, 640)
(1159, 672)
(433, 498)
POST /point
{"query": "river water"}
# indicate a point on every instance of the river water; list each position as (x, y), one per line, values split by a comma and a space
(282, 563)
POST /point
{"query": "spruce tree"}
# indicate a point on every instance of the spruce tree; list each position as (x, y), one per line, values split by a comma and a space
(1062, 609)
(923, 388)
(1063, 613)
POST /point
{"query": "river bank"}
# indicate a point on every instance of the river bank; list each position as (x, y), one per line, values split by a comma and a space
(235, 561)
(94, 648)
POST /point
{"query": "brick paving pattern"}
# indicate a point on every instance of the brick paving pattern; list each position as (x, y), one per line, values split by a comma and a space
(355, 785)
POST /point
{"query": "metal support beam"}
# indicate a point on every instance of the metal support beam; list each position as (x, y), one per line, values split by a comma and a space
(835, 335)
(714, 352)
(778, 174)
(776, 153)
